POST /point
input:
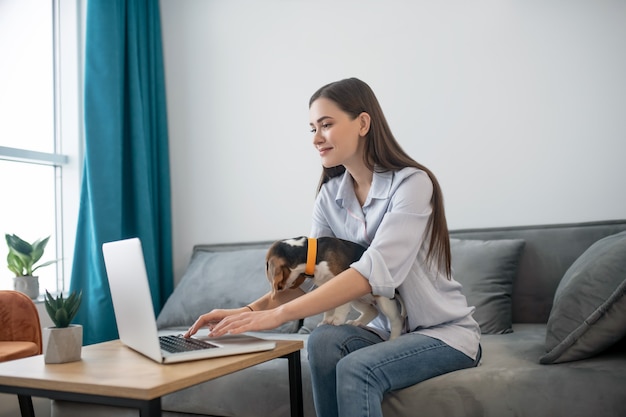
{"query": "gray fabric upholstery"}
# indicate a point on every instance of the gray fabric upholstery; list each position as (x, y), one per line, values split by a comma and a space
(589, 311)
(487, 269)
(548, 252)
(509, 381)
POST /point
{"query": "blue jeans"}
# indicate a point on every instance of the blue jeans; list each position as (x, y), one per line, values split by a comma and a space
(351, 369)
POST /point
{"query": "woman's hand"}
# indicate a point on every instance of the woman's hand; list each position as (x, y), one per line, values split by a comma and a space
(211, 319)
(270, 313)
(265, 304)
(246, 322)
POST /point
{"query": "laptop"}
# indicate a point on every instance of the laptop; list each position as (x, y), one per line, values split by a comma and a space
(136, 322)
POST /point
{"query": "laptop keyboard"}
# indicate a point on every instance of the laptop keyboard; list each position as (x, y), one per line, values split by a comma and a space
(177, 343)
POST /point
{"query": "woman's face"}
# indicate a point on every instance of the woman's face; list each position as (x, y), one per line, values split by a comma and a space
(336, 136)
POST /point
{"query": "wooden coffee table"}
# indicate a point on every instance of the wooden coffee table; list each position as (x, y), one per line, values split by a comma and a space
(112, 374)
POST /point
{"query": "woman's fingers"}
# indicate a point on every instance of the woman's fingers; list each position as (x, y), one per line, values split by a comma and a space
(221, 322)
(247, 322)
(206, 320)
(230, 325)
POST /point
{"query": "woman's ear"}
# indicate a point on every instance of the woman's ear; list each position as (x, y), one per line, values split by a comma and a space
(364, 123)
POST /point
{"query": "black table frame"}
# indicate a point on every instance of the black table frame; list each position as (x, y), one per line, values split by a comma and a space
(147, 408)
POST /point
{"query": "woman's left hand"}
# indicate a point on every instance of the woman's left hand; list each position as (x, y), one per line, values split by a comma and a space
(247, 322)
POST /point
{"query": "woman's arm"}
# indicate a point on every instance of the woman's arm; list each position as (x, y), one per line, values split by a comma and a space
(345, 287)
(266, 302)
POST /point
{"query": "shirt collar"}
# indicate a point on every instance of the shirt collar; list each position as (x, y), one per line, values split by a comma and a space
(380, 189)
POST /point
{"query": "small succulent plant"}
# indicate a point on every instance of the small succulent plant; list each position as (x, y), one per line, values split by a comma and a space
(62, 310)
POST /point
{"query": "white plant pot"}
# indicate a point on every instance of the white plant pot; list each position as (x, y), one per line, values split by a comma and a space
(28, 285)
(61, 345)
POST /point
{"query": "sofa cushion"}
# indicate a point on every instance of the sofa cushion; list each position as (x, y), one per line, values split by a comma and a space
(589, 309)
(511, 383)
(487, 269)
(222, 279)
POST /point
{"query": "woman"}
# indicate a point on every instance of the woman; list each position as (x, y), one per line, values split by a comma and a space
(371, 192)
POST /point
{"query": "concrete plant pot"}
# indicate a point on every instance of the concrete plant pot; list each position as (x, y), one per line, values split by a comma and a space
(61, 345)
(28, 285)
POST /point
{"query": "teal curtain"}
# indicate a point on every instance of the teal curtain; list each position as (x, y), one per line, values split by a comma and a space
(126, 186)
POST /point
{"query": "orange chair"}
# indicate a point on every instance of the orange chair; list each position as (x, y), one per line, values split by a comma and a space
(20, 334)
(20, 329)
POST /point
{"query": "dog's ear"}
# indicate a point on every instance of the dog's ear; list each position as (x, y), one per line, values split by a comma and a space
(274, 272)
(286, 274)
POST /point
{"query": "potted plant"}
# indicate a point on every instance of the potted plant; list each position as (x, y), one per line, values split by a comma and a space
(21, 261)
(63, 342)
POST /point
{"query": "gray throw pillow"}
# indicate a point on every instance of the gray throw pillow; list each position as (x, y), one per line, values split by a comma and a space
(224, 279)
(589, 310)
(487, 269)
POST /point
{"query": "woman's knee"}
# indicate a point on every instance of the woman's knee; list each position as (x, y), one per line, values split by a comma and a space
(329, 344)
(358, 367)
(323, 343)
(351, 367)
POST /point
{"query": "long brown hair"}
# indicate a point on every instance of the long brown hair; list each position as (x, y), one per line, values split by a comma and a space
(383, 153)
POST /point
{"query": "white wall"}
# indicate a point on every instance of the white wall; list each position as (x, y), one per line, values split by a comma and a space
(518, 106)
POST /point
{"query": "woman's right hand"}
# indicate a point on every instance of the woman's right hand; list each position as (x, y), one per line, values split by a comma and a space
(211, 319)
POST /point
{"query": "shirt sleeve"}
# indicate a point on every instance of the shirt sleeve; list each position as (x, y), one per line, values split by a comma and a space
(320, 226)
(394, 249)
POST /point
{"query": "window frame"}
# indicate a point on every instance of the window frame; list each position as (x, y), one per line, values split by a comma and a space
(67, 159)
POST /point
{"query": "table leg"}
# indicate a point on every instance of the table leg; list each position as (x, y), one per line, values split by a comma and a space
(26, 405)
(295, 384)
(151, 408)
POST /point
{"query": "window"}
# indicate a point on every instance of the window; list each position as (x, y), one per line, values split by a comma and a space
(40, 144)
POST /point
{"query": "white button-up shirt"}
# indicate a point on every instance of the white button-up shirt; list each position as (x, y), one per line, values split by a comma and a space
(392, 224)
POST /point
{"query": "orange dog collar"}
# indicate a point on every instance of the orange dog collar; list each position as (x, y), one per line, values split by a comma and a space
(311, 256)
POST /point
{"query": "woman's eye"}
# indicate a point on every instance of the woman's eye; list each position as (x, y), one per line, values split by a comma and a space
(323, 126)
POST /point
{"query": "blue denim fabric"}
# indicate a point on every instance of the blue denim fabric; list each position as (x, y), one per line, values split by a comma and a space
(351, 369)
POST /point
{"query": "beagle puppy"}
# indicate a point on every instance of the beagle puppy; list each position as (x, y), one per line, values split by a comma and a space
(289, 262)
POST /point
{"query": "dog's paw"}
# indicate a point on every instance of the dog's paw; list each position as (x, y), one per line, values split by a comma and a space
(354, 322)
(334, 321)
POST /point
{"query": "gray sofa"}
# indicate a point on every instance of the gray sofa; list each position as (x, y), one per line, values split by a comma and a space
(551, 301)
